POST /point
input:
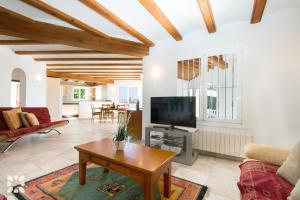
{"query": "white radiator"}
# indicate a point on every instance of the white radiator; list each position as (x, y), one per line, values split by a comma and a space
(227, 143)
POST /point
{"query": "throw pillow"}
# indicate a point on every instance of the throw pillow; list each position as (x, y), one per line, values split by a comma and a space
(289, 170)
(32, 119)
(23, 119)
(295, 194)
(12, 119)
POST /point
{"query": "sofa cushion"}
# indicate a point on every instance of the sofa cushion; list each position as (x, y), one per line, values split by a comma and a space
(32, 119)
(41, 113)
(290, 169)
(23, 119)
(266, 153)
(295, 194)
(12, 119)
(258, 180)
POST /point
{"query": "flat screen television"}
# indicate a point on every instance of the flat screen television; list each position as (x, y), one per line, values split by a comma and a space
(174, 111)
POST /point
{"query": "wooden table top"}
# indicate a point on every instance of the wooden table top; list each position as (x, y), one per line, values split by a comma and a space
(135, 156)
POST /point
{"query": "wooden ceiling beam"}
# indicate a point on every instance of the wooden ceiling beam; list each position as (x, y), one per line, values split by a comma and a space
(49, 33)
(103, 73)
(80, 78)
(122, 78)
(53, 52)
(94, 64)
(20, 42)
(104, 12)
(10, 13)
(157, 13)
(63, 16)
(115, 76)
(217, 61)
(207, 15)
(85, 68)
(88, 59)
(258, 10)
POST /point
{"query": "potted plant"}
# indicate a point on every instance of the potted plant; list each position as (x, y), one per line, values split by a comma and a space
(122, 134)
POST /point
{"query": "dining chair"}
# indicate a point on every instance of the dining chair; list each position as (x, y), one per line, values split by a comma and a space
(107, 112)
(96, 112)
(121, 108)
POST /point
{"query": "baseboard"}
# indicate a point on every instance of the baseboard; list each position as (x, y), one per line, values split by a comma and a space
(218, 155)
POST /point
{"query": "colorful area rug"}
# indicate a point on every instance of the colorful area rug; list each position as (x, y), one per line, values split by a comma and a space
(64, 185)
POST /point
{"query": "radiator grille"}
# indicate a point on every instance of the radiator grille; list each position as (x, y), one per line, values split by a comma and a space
(227, 143)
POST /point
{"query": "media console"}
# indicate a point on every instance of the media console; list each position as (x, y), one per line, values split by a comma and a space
(173, 139)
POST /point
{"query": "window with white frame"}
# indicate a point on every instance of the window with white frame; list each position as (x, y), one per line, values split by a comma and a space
(128, 95)
(79, 93)
(215, 84)
(123, 94)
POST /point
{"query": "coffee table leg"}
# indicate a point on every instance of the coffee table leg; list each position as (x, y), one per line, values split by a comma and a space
(105, 170)
(82, 171)
(148, 188)
(167, 183)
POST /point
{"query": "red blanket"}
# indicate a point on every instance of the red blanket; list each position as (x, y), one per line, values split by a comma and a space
(258, 181)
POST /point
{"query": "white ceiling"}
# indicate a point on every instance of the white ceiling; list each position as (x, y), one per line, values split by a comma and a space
(184, 14)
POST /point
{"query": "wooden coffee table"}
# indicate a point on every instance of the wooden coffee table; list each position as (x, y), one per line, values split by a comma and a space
(143, 164)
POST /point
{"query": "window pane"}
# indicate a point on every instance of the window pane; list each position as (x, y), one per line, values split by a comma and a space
(82, 93)
(188, 80)
(221, 87)
(75, 93)
(133, 95)
(123, 95)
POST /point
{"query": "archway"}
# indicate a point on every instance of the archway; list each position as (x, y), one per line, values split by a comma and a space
(18, 88)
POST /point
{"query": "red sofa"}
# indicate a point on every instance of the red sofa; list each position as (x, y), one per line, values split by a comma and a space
(46, 125)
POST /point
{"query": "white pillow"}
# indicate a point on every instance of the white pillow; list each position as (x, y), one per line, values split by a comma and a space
(295, 194)
(290, 169)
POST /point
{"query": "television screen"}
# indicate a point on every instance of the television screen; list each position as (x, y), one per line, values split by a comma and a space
(174, 111)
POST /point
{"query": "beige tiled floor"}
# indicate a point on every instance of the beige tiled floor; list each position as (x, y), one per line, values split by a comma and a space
(36, 155)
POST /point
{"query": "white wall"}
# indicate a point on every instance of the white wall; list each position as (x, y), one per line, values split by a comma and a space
(54, 98)
(270, 52)
(35, 77)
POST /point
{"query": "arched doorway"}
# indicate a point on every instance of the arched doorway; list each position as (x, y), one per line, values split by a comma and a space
(18, 88)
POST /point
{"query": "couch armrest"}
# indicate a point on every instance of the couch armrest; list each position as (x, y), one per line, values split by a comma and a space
(266, 153)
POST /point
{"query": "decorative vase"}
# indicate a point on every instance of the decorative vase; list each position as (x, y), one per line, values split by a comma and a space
(120, 145)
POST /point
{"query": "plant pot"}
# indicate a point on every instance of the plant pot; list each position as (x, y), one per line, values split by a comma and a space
(120, 145)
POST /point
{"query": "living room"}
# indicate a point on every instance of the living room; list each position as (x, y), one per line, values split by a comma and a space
(99, 81)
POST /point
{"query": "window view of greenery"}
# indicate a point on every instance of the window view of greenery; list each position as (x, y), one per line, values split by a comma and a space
(79, 93)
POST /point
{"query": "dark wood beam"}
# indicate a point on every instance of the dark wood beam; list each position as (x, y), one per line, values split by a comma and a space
(88, 59)
(207, 15)
(88, 69)
(76, 77)
(20, 42)
(49, 33)
(258, 10)
(104, 12)
(51, 52)
(157, 13)
(94, 64)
